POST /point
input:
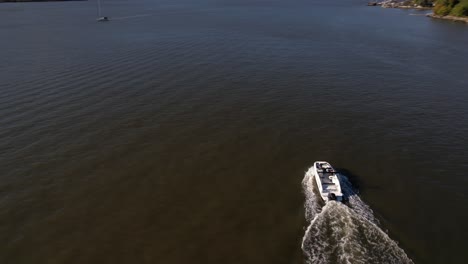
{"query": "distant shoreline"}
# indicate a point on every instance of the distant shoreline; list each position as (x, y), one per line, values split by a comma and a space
(398, 4)
(451, 18)
(412, 7)
(403, 5)
(24, 1)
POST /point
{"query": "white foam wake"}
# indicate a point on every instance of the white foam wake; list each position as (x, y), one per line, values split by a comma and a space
(340, 233)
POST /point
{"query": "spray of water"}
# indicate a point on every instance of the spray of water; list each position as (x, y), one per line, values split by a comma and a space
(345, 233)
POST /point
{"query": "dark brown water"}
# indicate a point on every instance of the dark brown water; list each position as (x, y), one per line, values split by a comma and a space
(180, 132)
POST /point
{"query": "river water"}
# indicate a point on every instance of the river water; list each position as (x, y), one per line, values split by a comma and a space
(181, 132)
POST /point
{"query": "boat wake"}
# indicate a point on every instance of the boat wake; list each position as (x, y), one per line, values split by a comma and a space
(128, 17)
(339, 233)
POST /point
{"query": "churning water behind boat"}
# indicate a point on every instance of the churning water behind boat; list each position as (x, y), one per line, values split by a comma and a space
(339, 233)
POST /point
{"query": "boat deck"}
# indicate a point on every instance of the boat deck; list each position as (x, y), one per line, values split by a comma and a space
(324, 177)
(327, 181)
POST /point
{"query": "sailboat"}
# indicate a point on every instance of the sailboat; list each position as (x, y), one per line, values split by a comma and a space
(100, 17)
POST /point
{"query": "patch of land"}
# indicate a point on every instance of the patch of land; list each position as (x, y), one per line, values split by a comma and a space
(400, 4)
(452, 18)
(456, 10)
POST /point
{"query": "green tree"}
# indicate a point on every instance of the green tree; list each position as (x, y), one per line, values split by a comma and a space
(442, 7)
(441, 10)
(461, 9)
(445, 7)
(453, 3)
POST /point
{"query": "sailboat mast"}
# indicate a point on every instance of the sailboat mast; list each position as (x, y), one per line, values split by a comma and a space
(99, 8)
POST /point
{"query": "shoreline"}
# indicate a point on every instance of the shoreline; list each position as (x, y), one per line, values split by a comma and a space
(411, 7)
(450, 18)
(399, 5)
(37, 1)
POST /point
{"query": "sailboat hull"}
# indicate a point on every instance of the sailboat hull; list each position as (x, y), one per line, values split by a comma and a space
(103, 19)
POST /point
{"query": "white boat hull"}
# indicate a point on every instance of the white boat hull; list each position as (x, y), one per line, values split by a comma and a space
(327, 181)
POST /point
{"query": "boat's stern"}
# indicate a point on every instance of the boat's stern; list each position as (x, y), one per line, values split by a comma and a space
(335, 197)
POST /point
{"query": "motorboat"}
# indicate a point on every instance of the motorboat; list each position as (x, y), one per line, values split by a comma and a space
(327, 181)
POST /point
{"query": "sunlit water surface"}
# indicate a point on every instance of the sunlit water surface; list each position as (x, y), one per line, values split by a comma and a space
(181, 131)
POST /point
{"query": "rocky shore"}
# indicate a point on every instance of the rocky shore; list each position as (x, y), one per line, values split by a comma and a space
(398, 4)
(451, 18)
(405, 4)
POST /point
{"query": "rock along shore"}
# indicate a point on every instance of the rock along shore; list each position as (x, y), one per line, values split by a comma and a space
(398, 4)
(452, 18)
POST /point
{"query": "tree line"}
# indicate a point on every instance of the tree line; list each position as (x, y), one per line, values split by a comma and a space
(451, 7)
